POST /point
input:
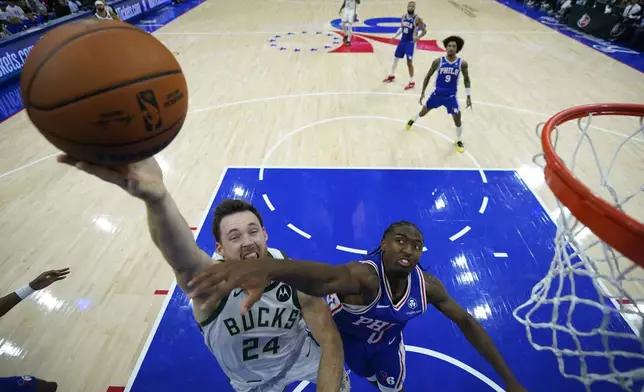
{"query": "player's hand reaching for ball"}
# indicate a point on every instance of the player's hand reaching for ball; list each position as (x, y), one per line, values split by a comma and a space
(142, 179)
(218, 280)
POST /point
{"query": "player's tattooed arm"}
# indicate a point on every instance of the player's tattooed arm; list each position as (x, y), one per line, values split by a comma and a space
(466, 79)
(435, 64)
(473, 331)
(318, 319)
(313, 278)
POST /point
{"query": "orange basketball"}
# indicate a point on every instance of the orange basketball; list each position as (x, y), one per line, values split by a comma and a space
(104, 91)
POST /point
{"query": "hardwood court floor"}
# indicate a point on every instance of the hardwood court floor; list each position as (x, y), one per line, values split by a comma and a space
(250, 104)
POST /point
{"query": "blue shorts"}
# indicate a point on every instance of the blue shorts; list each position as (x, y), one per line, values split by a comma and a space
(382, 362)
(449, 101)
(18, 384)
(405, 48)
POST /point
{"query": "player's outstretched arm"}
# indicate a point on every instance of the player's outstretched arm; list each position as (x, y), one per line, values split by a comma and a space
(312, 278)
(466, 79)
(473, 331)
(318, 319)
(40, 282)
(168, 229)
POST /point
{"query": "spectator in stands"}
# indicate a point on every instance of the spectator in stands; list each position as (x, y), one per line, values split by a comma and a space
(3, 27)
(36, 6)
(61, 8)
(105, 12)
(637, 42)
(624, 30)
(632, 11)
(6, 304)
(74, 5)
(16, 12)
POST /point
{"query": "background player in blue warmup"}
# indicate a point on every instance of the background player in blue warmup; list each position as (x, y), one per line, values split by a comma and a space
(371, 302)
(449, 69)
(409, 25)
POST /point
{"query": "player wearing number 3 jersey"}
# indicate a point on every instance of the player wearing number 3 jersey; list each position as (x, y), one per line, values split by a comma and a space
(412, 29)
(372, 300)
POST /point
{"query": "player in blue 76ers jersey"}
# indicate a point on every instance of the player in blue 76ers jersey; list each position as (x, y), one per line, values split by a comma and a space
(449, 69)
(409, 25)
(371, 300)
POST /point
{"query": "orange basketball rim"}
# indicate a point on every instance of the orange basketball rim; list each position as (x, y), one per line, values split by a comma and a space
(611, 225)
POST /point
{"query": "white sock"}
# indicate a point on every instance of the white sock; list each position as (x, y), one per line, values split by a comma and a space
(411, 79)
(459, 132)
(393, 68)
(416, 117)
(349, 30)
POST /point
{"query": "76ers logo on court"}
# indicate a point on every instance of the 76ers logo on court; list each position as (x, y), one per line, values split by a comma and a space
(150, 110)
(284, 293)
(322, 41)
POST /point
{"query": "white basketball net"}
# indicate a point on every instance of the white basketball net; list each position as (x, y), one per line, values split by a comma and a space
(579, 325)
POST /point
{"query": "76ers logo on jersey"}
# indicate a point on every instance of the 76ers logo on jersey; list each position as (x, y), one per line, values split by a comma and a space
(377, 326)
(412, 303)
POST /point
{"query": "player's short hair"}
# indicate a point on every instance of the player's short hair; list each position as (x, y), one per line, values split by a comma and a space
(391, 228)
(454, 38)
(229, 207)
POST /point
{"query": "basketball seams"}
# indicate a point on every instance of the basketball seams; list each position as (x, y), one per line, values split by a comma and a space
(27, 96)
(171, 127)
(107, 89)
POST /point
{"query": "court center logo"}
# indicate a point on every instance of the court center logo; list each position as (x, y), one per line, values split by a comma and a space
(150, 110)
(361, 41)
(284, 293)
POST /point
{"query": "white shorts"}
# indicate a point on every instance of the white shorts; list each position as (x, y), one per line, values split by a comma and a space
(348, 15)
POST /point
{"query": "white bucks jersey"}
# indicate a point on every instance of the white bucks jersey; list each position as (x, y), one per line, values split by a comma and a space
(263, 344)
(350, 5)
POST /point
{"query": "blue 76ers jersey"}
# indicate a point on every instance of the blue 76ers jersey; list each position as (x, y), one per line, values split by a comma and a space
(447, 79)
(408, 27)
(381, 321)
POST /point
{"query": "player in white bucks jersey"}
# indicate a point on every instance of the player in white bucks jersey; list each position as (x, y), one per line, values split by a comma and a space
(449, 69)
(266, 348)
(269, 344)
(348, 12)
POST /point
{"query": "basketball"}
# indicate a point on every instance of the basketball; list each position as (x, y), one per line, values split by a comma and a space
(104, 92)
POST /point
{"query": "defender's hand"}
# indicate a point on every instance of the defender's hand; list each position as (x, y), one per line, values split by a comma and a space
(468, 102)
(48, 277)
(142, 179)
(218, 280)
(515, 387)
